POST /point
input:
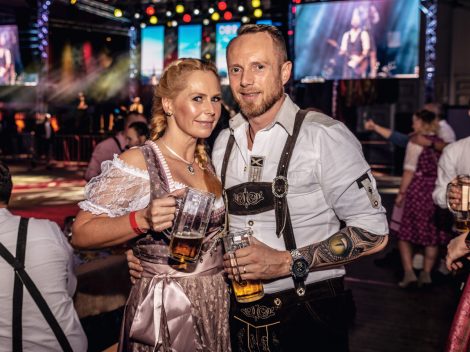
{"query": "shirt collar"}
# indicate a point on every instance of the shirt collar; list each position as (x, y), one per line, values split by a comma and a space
(284, 117)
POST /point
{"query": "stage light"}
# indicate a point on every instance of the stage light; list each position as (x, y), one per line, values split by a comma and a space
(168, 14)
(294, 10)
(215, 16)
(150, 10)
(179, 8)
(245, 19)
(227, 15)
(143, 25)
(187, 18)
(258, 13)
(207, 39)
(137, 15)
(207, 56)
(211, 10)
(117, 12)
(108, 39)
(290, 32)
(222, 6)
(205, 22)
(241, 8)
(174, 23)
(196, 12)
(73, 2)
(256, 3)
(153, 20)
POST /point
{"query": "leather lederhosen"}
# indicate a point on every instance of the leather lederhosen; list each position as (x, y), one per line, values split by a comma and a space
(257, 197)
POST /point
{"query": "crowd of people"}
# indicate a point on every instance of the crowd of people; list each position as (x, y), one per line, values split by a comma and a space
(297, 179)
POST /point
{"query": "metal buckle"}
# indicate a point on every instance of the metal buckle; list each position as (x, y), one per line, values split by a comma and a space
(280, 186)
(300, 291)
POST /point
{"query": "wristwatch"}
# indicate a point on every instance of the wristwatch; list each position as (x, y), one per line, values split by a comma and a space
(300, 266)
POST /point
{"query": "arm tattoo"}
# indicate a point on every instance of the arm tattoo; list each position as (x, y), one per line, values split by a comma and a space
(343, 247)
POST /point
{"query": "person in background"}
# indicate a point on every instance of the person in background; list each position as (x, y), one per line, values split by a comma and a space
(137, 133)
(111, 146)
(49, 263)
(419, 224)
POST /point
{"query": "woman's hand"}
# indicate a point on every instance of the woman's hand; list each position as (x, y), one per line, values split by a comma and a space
(135, 269)
(160, 213)
(399, 200)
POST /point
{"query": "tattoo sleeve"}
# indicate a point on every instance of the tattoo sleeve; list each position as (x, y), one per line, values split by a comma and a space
(343, 247)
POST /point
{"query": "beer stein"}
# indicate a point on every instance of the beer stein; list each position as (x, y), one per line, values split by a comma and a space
(460, 210)
(191, 219)
(245, 290)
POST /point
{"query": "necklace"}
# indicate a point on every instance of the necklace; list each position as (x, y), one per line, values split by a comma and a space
(189, 165)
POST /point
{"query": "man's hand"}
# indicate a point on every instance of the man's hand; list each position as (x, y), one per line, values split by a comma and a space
(454, 195)
(456, 249)
(369, 125)
(135, 269)
(257, 261)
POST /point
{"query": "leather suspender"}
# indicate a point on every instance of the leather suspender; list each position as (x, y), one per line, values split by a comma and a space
(22, 278)
(279, 188)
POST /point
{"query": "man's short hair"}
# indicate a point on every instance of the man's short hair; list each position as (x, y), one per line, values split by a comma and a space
(6, 185)
(272, 31)
(141, 128)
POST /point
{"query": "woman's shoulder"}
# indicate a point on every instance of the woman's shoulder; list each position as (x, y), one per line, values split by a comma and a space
(134, 158)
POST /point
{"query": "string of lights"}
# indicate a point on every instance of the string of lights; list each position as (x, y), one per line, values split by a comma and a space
(429, 8)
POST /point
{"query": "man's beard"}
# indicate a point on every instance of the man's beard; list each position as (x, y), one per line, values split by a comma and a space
(254, 110)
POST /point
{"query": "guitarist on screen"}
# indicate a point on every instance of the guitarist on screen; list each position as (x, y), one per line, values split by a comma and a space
(355, 47)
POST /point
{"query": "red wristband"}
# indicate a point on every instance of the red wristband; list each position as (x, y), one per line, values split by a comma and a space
(137, 230)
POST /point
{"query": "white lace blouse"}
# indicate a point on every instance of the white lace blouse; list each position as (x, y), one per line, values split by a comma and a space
(122, 188)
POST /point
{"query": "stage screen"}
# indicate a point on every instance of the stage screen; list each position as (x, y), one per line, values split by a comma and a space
(189, 41)
(357, 39)
(152, 53)
(224, 33)
(10, 60)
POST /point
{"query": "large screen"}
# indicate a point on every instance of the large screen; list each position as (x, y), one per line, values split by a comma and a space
(10, 61)
(189, 41)
(152, 53)
(357, 39)
(224, 33)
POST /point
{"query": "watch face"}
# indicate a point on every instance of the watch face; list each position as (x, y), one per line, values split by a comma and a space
(300, 268)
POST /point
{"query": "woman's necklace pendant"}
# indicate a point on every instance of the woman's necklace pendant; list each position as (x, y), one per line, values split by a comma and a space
(190, 169)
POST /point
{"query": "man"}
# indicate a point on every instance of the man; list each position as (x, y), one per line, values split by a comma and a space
(48, 261)
(116, 144)
(291, 206)
(454, 161)
(137, 134)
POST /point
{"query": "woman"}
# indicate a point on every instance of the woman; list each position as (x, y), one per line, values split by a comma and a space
(421, 223)
(169, 308)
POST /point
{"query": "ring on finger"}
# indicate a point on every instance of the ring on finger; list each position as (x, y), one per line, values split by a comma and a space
(244, 269)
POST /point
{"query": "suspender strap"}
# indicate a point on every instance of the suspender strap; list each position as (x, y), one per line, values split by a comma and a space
(18, 287)
(118, 144)
(24, 279)
(228, 151)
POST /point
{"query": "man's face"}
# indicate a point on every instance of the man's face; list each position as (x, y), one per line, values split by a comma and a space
(133, 139)
(256, 74)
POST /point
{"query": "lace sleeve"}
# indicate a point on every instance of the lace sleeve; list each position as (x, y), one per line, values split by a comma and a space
(118, 190)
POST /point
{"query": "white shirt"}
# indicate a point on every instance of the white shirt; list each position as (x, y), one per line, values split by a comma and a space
(454, 161)
(446, 133)
(325, 165)
(48, 261)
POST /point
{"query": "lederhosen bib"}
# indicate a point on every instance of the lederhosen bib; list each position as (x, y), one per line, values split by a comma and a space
(251, 198)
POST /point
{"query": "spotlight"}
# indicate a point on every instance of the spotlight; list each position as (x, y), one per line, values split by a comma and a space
(168, 14)
(153, 20)
(73, 2)
(196, 12)
(227, 15)
(222, 6)
(150, 10)
(207, 56)
(255, 3)
(211, 10)
(137, 15)
(174, 23)
(241, 8)
(186, 18)
(117, 12)
(179, 8)
(143, 25)
(215, 16)
(245, 19)
(205, 22)
(108, 39)
(258, 13)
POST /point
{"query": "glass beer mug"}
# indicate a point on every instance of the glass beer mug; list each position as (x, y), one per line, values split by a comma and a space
(461, 209)
(245, 290)
(193, 213)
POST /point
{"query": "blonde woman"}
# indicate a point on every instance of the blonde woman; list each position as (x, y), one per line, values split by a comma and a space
(169, 309)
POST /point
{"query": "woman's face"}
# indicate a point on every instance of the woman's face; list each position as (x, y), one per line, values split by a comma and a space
(417, 124)
(197, 108)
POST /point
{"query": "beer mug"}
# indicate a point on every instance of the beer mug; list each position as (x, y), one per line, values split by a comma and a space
(461, 210)
(245, 290)
(192, 216)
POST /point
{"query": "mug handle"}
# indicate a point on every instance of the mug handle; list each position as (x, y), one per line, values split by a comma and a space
(447, 198)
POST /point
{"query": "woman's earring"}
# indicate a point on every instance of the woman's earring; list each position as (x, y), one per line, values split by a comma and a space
(168, 114)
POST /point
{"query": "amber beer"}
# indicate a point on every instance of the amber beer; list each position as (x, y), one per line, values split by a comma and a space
(185, 246)
(245, 290)
(462, 210)
(462, 225)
